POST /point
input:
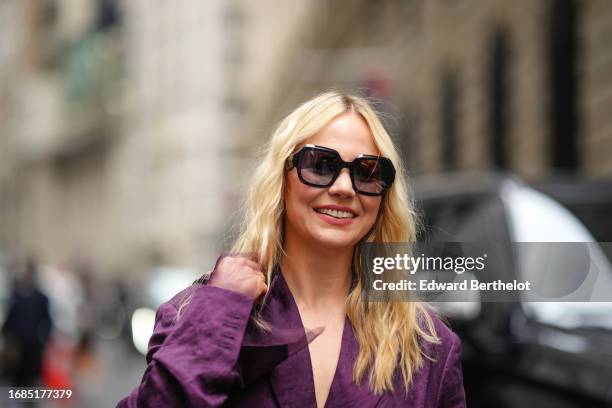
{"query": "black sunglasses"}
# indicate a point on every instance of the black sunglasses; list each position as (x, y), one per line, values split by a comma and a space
(319, 166)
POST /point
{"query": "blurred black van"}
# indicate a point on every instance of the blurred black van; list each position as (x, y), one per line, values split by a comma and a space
(589, 200)
(520, 354)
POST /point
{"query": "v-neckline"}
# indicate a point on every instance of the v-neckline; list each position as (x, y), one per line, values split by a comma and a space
(290, 380)
(338, 362)
(341, 358)
(341, 353)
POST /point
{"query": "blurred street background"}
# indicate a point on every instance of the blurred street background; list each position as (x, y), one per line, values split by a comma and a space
(128, 130)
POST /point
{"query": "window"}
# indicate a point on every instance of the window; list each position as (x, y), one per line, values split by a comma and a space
(563, 85)
(498, 95)
(449, 115)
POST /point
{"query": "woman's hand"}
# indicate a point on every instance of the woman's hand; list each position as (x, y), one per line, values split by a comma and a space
(175, 375)
(239, 274)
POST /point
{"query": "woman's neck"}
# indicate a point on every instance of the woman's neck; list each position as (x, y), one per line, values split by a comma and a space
(318, 278)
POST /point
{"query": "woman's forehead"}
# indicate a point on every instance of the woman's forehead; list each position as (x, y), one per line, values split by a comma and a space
(349, 134)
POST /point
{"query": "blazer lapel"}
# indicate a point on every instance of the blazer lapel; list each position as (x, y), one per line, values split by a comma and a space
(280, 352)
(343, 391)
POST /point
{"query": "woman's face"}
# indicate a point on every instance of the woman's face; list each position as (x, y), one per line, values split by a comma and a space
(305, 224)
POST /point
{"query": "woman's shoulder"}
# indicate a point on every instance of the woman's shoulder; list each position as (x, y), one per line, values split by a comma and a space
(439, 381)
(432, 323)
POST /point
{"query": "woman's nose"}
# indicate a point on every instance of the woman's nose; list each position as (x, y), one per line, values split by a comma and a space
(343, 185)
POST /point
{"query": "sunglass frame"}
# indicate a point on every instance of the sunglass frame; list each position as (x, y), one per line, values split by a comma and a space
(294, 161)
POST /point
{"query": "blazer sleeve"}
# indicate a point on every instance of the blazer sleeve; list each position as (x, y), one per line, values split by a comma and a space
(452, 393)
(191, 360)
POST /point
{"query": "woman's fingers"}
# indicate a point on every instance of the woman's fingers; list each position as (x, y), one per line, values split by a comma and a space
(251, 264)
(240, 274)
(263, 288)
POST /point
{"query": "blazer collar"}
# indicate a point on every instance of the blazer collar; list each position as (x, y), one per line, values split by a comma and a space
(263, 350)
(282, 351)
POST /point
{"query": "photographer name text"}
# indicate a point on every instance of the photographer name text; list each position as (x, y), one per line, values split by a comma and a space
(436, 286)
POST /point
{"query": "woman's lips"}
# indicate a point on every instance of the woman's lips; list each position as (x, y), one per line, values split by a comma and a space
(335, 221)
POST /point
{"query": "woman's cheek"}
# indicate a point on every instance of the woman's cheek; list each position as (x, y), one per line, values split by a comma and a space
(372, 205)
(372, 210)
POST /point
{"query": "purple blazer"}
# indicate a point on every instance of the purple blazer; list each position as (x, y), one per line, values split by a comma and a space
(214, 355)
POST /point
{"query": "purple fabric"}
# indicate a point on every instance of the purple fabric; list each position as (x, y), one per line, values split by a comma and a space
(215, 355)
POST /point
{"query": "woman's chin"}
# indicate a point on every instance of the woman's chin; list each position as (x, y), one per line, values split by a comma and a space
(336, 241)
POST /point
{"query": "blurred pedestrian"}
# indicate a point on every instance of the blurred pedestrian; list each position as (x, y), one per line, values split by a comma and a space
(88, 318)
(27, 327)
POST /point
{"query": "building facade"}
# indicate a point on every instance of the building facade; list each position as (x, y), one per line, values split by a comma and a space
(128, 131)
(521, 86)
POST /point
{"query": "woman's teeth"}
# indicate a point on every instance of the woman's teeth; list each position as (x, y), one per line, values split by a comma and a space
(335, 213)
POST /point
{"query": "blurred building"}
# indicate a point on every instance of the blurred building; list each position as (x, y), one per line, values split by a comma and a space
(523, 85)
(121, 125)
(61, 121)
(127, 129)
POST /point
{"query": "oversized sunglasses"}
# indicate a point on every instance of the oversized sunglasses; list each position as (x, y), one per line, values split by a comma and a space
(319, 166)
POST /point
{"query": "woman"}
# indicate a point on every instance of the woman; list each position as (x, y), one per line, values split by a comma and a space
(283, 321)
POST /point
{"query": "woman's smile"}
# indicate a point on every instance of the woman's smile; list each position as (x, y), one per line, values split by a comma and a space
(336, 215)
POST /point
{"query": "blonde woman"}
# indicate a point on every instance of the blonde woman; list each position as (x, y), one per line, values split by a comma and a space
(282, 320)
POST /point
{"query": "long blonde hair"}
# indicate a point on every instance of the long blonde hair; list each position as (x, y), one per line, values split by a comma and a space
(389, 333)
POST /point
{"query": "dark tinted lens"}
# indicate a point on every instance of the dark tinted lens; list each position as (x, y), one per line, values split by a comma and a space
(318, 167)
(371, 175)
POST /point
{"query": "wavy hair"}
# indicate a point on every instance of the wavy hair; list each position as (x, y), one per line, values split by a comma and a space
(390, 333)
